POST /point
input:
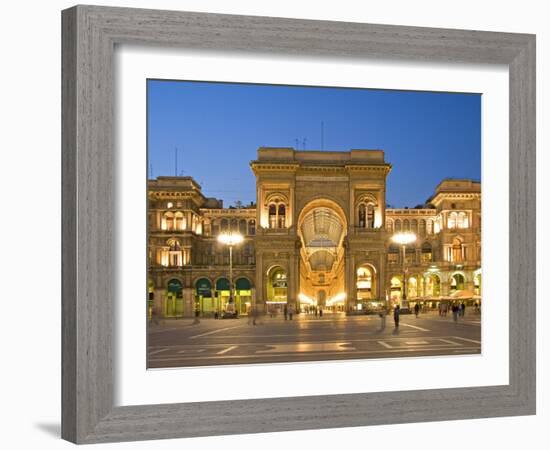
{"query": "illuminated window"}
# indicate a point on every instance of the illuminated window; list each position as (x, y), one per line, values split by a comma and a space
(282, 216)
(252, 227)
(242, 227)
(452, 220)
(426, 252)
(362, 216)
(422, 227)
(457, 250)
(277, 214)
(370, 215)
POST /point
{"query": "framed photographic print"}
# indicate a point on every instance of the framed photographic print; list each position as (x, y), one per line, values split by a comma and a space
(279, 224)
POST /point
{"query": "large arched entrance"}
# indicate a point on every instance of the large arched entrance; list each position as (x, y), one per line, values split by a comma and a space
(322, 228)
(366, 285)
(204, 300)
(396, 290)
(243, 295)
(457, 282)
(173, 300)
(277, 289)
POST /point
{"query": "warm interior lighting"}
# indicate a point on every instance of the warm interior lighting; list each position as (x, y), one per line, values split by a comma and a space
(230, 238)
(305, 299)
(338, 298)
(404, 238)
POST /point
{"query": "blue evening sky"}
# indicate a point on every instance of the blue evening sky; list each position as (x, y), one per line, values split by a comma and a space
(218, 127)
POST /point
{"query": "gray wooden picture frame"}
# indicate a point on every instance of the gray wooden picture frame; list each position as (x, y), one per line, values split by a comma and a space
(90, 34)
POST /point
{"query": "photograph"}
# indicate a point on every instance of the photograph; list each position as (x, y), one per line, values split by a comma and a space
(290, 224)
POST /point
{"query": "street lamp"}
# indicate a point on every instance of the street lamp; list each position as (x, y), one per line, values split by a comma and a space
(404, 239)
(230, 239)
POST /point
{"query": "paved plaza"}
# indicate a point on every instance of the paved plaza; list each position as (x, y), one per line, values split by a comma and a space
(180, 342)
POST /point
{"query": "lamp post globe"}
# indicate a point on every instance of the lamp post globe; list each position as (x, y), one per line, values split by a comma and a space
(230, 239)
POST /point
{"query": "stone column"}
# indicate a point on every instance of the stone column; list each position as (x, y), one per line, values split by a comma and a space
(158, 302)
(259, 297)
(188, 302)
(381, 277)
(348, 283)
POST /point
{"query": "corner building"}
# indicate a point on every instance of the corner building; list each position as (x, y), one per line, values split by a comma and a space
(318, 235)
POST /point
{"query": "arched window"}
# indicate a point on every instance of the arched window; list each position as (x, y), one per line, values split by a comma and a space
(272, 215)
(397, 225)
(429, 226)
(361, 220)
(168, 221)
(422, 227)
(406, 225)
(282, 216)
(242, 227)
(457, 250)
(462, 220)
(234, 225)
(251, 227)
(276, 213)
(414, 226)
(389, 225)
(365, 215)
(215, 228)
(370, 215)
(224, 226)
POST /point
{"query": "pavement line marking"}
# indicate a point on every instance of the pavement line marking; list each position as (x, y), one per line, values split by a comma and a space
(473, 350)
(416, 342)
(228, 349)
(212, 332)
(414, 326)
(158, 351)
(449, 342)
(384, 344)
(467, 340)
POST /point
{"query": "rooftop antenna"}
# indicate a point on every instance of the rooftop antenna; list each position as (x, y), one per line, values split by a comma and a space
(150, 170)
(322, 135)
(176, 161)
(297, 145)
(304, 143)
(181, 171)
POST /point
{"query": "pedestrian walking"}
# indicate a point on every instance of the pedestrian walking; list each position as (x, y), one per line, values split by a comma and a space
(286, 311)
(416, 309)
(455, 312)
(290, 312)
(316, 311)
(320, 312)
(396, 313)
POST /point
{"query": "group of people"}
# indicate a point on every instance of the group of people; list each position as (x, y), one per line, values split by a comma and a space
(457, 309)
(317, 310)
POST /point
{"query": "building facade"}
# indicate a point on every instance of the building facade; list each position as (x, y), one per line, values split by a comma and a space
(319, 234)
